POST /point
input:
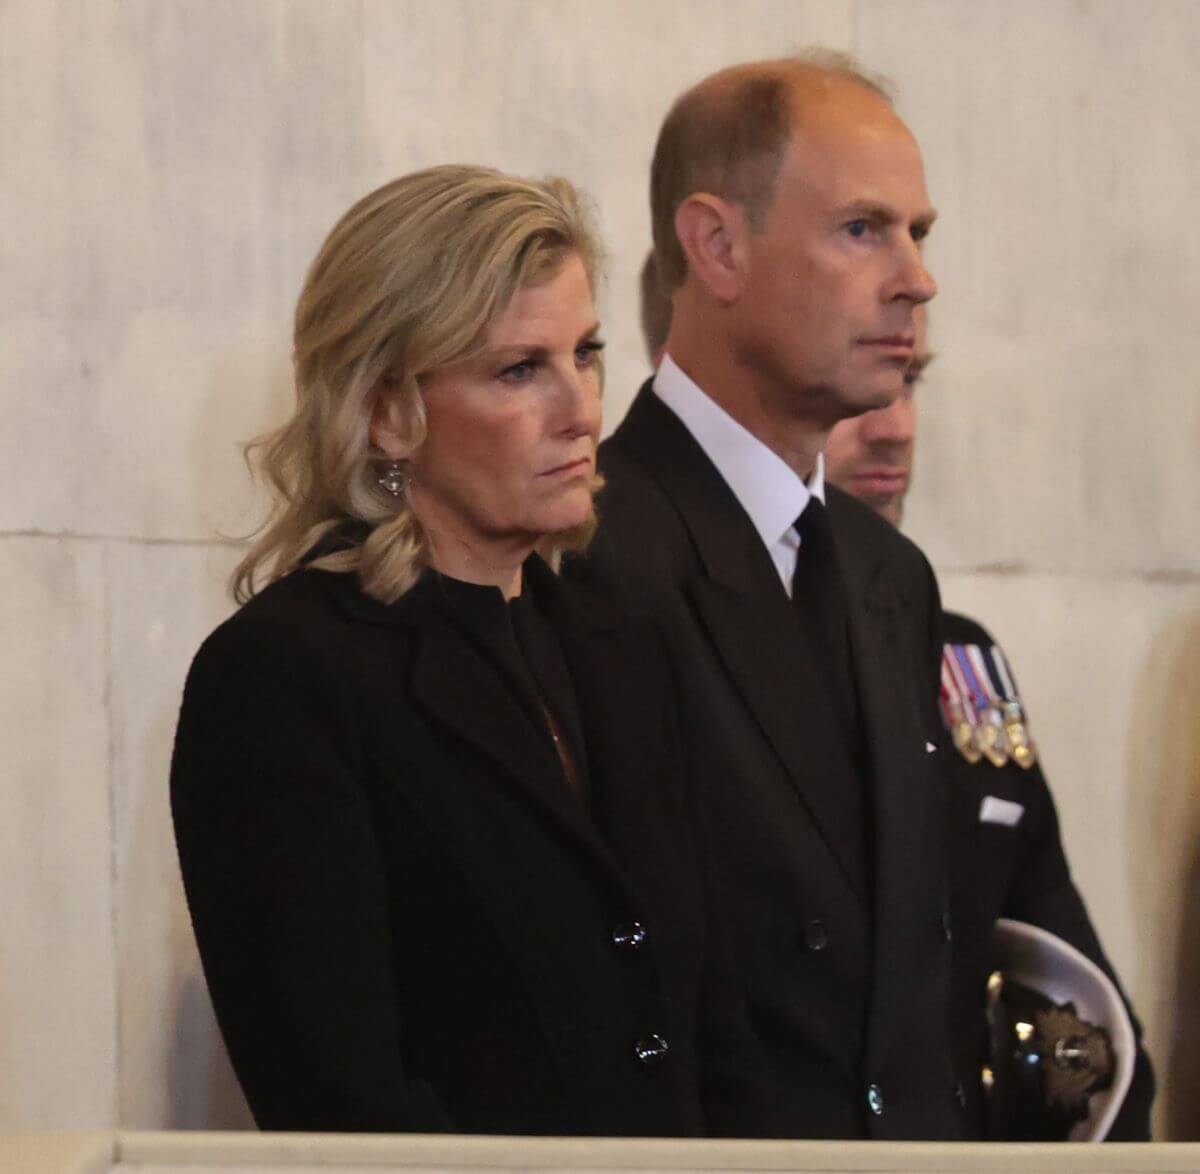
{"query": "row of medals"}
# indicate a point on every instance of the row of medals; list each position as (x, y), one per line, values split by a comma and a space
(1000, 735)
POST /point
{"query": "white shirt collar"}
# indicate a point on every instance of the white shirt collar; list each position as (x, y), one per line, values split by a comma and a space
(766, 486)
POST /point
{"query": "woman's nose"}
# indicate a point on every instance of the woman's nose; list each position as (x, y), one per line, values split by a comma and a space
(581, 402)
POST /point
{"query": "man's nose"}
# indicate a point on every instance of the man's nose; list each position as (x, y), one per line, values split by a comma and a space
(895, 424)
(913, 279)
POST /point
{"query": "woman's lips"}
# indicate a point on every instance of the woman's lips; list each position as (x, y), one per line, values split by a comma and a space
(580, 467)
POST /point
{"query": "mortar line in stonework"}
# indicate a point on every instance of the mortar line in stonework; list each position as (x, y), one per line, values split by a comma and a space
(130, 539)
(1167, 578)
(113, 853)
(1170, 578)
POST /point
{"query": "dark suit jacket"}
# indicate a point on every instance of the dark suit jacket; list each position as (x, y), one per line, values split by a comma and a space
(841, 934)
(1018, 872)
(407, 919)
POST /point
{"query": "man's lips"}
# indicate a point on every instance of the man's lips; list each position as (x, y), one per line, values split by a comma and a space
(895, 342)
(882, 480)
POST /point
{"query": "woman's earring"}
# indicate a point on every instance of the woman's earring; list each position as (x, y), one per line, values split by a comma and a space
(395, 479)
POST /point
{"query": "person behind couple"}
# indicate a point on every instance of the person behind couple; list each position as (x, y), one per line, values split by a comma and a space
(1015, 869)
(428, 799)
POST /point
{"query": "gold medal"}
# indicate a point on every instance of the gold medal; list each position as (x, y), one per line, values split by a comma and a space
(1025, 757)
(1023, 751)
(964, 740)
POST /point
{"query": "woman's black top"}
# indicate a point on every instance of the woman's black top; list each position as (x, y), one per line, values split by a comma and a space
(520, 641)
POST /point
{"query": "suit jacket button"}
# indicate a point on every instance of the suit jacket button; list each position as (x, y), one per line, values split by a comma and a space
(816, 936)
(875, 1099)
(947, 928)
(629, 936)
(651, 1050)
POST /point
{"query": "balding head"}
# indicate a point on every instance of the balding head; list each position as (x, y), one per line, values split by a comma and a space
(728, 136)
(789, 210)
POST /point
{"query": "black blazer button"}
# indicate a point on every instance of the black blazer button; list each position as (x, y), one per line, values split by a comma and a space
(651, 1050)
(816, 936)
(947, 929)
(629, 936)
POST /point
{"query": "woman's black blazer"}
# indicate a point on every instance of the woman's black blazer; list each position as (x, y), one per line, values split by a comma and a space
(407, 919)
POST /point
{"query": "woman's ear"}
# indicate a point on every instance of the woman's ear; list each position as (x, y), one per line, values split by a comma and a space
(711, 233)
(388, 428)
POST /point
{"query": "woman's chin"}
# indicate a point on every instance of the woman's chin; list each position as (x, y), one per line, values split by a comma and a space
(573, 510)
(567, 530)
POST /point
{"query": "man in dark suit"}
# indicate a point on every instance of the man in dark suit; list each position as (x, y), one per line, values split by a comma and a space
(1006, 847)
(788, 203)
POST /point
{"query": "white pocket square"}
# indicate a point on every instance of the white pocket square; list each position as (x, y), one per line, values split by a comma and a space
(993, 810)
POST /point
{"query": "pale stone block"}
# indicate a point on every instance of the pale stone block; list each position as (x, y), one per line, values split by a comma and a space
(180, 164)
(57, 997)
(174, 1069)
(572, 88)
(1110, 671)
(166, 164)
(1063, 160)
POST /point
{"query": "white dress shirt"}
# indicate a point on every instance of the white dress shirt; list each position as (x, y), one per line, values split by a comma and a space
(766, 486)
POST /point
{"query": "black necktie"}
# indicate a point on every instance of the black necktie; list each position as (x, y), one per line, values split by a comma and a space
(819, 599)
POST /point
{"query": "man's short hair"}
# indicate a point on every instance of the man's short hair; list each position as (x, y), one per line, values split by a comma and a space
(727, 135)
(656, 309)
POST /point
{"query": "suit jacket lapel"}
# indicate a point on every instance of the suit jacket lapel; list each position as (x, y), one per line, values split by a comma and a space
(748, 617)
(906, 789)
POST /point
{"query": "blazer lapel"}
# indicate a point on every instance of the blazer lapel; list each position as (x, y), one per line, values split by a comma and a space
(748, 618)
(460, 689)
(592, 635)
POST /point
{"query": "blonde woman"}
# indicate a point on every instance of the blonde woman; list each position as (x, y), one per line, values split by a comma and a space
(429, 803)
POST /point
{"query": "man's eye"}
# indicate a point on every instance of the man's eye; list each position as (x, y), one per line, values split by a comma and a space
(857, 228)
(588, 353)
(919, 232)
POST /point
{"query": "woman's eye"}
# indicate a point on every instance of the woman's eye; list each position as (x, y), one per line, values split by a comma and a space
(518, 372)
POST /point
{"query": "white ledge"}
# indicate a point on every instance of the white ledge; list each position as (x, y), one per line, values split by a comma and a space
(282, 1153)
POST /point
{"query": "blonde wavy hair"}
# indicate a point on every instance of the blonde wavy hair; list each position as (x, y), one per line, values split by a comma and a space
(407, 282)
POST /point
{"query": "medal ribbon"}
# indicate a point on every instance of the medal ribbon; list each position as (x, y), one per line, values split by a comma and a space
(1022, 747)
(948, 700)
(979, 666)
(963, 718)
(961, 692)
(1004, 676)
(970, 687)
(990, 735)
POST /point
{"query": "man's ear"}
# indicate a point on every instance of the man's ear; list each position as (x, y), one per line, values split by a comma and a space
(711, 233)
(388, 429)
